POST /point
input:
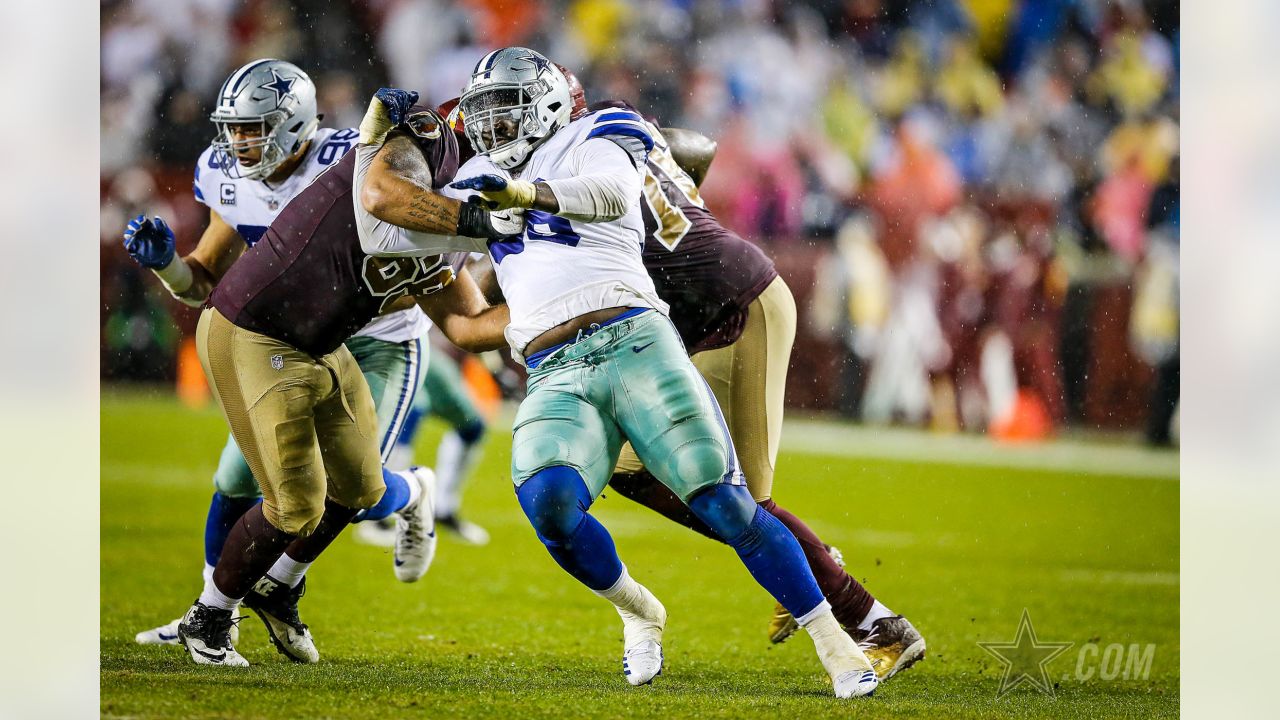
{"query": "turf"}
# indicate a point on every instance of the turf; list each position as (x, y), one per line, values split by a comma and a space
(501, 632)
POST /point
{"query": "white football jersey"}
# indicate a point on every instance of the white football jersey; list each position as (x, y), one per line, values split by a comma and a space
(559, 269)
(250, 206)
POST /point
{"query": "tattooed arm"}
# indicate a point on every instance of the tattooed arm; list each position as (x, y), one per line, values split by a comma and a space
(397, 190)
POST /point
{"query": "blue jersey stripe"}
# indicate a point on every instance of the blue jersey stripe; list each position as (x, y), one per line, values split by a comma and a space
(622, 129)
(199, 195)
(621, 115)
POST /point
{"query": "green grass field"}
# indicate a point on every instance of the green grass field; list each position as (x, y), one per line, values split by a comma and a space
(501, 632)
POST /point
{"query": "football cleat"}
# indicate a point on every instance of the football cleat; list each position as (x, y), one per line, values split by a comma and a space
(380, 533)
(642, 641)
(206, 634)
(782, 626)
(168, 634)
(892, 645)
(277, 605)
(466, 531)
(856, 683)
(415, 546)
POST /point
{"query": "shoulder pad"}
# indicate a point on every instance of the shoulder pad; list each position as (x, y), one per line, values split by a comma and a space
(624, 127)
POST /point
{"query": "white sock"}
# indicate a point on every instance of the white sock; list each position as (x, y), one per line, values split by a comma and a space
(212, 597)
(837, 651)
(288, 571)
(207, 573)
(643, 617)
(454, 461)
(877, 611)
(415, 488)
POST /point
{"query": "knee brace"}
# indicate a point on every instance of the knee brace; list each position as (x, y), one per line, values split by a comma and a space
(727, 509)
(555, 499)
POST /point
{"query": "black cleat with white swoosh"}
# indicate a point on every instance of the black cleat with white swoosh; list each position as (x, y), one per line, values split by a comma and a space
(206, 634)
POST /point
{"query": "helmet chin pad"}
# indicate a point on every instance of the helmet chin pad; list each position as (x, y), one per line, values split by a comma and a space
(512, 155)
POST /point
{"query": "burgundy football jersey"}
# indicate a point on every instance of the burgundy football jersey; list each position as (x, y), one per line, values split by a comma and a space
(308, 283)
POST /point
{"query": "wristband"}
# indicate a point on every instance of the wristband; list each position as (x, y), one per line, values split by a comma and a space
(176, 275)
(376, 124)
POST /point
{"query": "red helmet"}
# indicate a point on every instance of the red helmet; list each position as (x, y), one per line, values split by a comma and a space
(453, 118)
(576, 93)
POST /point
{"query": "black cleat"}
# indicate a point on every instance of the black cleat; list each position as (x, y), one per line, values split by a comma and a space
(206, 634)
(277, 605)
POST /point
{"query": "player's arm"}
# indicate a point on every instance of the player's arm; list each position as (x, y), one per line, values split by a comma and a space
(691, 150)
(397, 190)
(606, 182)
(487, 280)
(150, 242)
(462, 314)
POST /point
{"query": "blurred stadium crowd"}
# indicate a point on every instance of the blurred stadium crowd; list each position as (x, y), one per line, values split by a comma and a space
(974, 201)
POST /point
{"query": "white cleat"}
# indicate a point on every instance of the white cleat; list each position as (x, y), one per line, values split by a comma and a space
(415, 546)
(206, 634)
(642, 641)
(168, 635)
(641, 663)
(163, 635)
(465, 530)
(856, 683)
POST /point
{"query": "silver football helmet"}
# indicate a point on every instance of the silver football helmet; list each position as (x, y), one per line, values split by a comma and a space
(281, 99)
(516, 99)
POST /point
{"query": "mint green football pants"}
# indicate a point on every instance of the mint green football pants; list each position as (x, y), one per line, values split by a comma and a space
(629, 380)
(394, 372)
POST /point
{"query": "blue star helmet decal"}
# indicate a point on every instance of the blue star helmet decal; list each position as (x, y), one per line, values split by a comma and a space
(281, 86)
(537, 61)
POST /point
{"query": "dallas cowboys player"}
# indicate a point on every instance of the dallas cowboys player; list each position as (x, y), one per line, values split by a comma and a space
(605, 363)
(268, 148)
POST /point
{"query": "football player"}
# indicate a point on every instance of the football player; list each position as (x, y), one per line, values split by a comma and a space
(737, 319)
(269, 146)
(270, 340)
(605, 363)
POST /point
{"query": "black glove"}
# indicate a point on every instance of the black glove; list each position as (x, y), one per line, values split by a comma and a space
(474, 221)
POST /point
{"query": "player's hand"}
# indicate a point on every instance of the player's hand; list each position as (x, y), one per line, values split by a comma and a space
(475, 220)
(388, 108)
(149, 241)
(500, 193)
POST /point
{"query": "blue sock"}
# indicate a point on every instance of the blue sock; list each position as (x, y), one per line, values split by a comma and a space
(409, 427)
(224, 511)
(471, 432)
(768, 549)
(393, 500)
(555, 500)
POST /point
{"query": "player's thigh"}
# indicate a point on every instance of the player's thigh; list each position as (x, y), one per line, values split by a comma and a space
(450, 400)
(394, 373)
(668, 413)
(233, 477)
(749, 380)
(555, 425)
(347, 429)
(268, 391)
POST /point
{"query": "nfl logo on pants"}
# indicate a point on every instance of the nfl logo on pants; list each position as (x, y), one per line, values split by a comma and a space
(277, 362)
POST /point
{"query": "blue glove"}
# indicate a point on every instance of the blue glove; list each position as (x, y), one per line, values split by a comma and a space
(500, 193)
(483, 183)
(397, 102)
(149, 242)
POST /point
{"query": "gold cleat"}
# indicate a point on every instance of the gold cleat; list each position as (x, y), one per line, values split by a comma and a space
(892, 645)
(782, 625)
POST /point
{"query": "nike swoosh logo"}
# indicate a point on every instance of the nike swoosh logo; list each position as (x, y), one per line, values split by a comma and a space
(216, 657)
(162, 636)
(638, 348)
(399, 562)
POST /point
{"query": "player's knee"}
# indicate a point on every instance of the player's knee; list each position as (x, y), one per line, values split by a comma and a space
(236, 483)
(727, 509)
(300, 518)
(362, 495)
(698, 463)
(555, 499)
